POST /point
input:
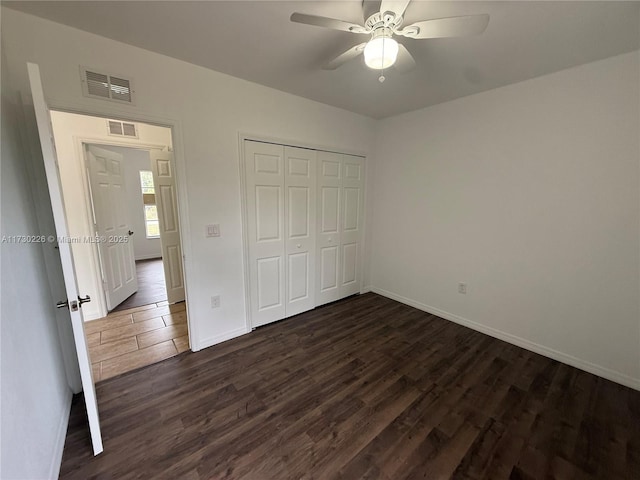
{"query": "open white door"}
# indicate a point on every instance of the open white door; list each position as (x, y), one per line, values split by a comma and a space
(111, 220)
(164, 181)
(57, 205)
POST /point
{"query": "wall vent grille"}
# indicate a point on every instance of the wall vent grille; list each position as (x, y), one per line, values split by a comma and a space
(107, 87)
(122, 129)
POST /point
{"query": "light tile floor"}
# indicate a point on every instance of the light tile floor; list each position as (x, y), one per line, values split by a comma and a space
(129, 339)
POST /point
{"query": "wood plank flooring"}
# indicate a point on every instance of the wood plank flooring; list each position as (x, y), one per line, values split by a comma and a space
(151, 285)
(362, 388)
(129, 339)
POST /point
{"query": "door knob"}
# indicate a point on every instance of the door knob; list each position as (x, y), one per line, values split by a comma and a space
(298, 246)
(330, 240)
(130, 232)
(86, 299)
(73, 305)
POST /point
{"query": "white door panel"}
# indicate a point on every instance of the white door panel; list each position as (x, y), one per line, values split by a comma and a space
(299, 212)
(329, 210)
(328, 238)
(268, 284)
(264, 176)
(280, 187)
(164, 182)
(298, 276)
(66, 256)
(268, 202)
(351, 209)
(340, 217)
(300, 241)
(328, 269)
(175, 282)
(112, 224)
(352, 222)
(349, 264)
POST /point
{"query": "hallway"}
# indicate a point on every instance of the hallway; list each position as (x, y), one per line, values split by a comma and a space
(151, 285)
(133, 338)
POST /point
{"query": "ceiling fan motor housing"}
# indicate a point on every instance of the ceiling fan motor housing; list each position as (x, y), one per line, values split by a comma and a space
(383, 20)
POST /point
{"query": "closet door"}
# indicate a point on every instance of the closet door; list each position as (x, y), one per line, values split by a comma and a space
(351, 222)
(300, 229)
(264, 173)
(328, 225)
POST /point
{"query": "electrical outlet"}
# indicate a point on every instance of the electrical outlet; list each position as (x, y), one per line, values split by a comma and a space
(215, 301)
(462, 288)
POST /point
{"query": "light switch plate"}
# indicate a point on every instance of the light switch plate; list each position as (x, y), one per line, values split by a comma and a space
(213, 230)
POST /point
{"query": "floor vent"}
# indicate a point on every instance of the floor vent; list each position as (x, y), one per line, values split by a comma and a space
(108, 87)
(122, 129)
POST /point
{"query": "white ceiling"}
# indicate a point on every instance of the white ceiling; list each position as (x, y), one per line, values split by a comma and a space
(256, 41)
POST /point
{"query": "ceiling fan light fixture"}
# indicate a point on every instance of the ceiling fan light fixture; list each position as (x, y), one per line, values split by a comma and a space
(381, 52)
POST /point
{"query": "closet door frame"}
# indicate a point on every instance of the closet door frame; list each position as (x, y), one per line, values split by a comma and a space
(242, 137)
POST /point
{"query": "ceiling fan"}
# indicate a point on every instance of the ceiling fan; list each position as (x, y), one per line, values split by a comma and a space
(384, 20)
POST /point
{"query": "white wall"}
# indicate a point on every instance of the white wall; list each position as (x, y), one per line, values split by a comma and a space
(209, 110)
(530, 194)
(69, 131)
(35, 395)
(134, 162)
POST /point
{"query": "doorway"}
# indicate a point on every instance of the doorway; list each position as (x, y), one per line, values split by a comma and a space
(121, 206)
(151, 285)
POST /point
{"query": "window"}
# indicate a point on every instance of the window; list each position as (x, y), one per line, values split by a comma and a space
(152, 226)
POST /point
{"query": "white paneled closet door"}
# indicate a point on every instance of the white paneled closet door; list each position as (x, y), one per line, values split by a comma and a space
(352, 223)
(328, 224)
(281, 227)
(340, 225)
(300, 229)
(264, 170)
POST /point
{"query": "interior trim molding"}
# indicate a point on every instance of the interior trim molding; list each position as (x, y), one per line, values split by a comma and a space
(124, 113)
(223, 337)
(598, 370)
(153, 256)
(61, 436)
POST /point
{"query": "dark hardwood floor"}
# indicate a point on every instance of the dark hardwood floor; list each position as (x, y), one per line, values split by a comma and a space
(151, 285)
(363, 388)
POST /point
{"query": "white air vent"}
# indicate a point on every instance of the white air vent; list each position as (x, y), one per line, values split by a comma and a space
(108, 87)
(122, 129)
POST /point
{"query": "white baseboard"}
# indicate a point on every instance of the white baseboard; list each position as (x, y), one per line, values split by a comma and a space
(93, 316)
(366, 289)
(210, 341)
(61, 436)
(603, 372)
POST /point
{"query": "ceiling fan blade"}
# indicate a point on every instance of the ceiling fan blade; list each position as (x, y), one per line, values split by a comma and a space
(327, 23)
(350, 54)
(369, 7)
(396, 6)
(447, 27)
(404, 61)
